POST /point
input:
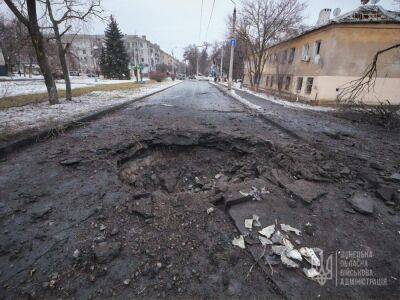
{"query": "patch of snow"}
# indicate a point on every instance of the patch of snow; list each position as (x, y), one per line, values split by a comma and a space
(41, 115)
(21, 86)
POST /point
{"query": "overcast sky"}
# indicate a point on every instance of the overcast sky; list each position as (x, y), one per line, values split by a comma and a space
(173, 24)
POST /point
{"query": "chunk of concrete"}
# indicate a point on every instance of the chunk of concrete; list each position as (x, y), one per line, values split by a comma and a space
(105, 252)
(362, 203)
(386, 193)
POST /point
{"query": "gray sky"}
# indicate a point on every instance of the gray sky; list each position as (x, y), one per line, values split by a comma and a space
(176, 23)
(173, 24)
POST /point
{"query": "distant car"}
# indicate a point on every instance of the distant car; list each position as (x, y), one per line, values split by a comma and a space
(181, 77)
(192, 77)
(73, 73)
(91, 75)
(58, 74)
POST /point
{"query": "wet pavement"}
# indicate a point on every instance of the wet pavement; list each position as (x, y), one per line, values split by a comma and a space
(118, 208)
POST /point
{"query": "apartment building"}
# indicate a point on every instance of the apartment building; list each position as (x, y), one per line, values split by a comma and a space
(317, 64)
(85, 52)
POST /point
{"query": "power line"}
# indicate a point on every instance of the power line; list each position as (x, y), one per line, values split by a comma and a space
(209, 21)
(201, 19)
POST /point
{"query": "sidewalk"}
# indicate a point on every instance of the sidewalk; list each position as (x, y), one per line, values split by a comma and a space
(32, 120)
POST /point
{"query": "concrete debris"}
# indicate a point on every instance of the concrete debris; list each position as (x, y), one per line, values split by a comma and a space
(127, 281)
(218, 176)
(255, 194)
(386, 193)
(239, 242)
(306, 190)
(295, 254)
(310, 256)
(76, 253)
(310, 273)
(70, 162)
(277, 237)
(254, 221)
(288, 262)
(287, 243)
(272, 260)
(362, 202)
(278, 250)
(288, 228)
(395, 177)
(105, 252)
(210, 210)
(264, 241)
(267, 231)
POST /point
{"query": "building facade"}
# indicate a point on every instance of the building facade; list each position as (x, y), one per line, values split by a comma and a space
(85, 53)
(317, 64)
(3, 68)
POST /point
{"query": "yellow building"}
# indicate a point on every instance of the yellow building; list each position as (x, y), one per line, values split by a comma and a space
(315, 65)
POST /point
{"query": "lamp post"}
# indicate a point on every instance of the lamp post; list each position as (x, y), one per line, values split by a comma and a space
(233, 42)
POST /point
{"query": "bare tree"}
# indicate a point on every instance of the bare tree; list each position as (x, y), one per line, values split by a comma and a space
(31, 23)
(262, 23)
(69, 11)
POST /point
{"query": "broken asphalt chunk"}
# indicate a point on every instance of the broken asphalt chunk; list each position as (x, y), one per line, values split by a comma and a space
(362, 202)
(70, 162)
(288, 262)
(310, 273)
(264, 241)
(305, 190)
(310, 256)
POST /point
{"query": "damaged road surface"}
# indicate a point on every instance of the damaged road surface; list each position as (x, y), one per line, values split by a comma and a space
(187, 194)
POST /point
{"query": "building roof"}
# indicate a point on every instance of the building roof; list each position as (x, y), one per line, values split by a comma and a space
(365, 14)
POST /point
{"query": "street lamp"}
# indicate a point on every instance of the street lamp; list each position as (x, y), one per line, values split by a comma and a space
(233, 42)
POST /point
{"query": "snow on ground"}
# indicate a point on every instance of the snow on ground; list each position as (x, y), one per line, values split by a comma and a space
(18, 86)
(281, 101)
(42, 115)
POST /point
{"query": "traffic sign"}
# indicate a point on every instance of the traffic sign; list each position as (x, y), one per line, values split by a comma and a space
(233, 42)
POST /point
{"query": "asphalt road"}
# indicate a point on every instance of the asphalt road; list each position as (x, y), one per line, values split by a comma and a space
(70, 193)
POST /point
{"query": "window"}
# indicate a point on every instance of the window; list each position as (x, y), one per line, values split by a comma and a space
(292, 54)
(299, 85)
(83, 51)
(309, 85)
(284, 57)
(287, 83)
(272, 81)
(275, 58)
(317, 47)
(267, 81)
(305, 56)
(280, 82)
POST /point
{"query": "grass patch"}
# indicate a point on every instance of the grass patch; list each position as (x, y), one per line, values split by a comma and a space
(21, 100)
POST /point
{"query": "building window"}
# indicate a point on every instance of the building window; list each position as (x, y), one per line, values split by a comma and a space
(83, 51)
(142, 59)
(284, 56)
(280, 82)
(267, 81)
(304, 55)
(272, 81)
(287, 83)
(299, 85)
(309, 85)
(292, 54)
(317, 47)
(275, 58)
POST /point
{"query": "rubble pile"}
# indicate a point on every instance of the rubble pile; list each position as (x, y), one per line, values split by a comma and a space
(279, 249)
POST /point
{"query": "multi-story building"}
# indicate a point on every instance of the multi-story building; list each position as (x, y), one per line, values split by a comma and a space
(317, 64)
(85, 52)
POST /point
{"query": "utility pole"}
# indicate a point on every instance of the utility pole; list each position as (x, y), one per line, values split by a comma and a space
(222, 60)
(233, 41)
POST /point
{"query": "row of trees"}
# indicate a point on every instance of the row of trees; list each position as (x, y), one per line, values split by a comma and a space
(60, 17)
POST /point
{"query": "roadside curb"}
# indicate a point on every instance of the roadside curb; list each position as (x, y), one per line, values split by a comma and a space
(47, 133)
(258, 112)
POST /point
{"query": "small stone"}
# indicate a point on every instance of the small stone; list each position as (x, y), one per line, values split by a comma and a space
(386, 193)
(127, 281)
(345, 171)
(114, 231)
(309, 229)
(349, 210)
(159, 265)
(105, 252)
(76, 253)
(103, 227)
(70, 162)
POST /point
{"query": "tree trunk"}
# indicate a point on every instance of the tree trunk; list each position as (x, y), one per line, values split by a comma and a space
(37, 41)
(64, 65)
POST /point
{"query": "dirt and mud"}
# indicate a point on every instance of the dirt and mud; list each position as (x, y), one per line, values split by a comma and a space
(146, 202)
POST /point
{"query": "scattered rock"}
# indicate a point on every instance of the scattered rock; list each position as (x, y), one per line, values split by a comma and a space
(114, 231)
(169, 182)
(239, 242)
(267, 231)
(349, 210)
(210, 210)
(127, 281)
(272, 260)
(376, 166)
(76, 253)
(311, 273)
(105, 252)
(142, 208)
(234, 198)
(309, 229)
(41, 212)
(288, 228)
(362, 203)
